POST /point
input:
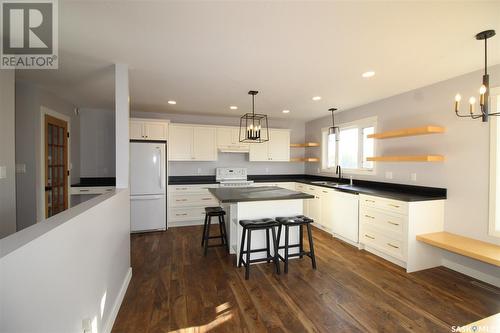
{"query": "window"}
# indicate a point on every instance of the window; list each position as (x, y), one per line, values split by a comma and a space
(352, 148)
(494, 228)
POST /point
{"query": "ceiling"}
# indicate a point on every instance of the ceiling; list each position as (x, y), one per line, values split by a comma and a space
(207, 55)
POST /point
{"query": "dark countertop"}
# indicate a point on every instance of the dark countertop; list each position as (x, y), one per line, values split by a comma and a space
(402, 192)
(265, 193)
(95, 182)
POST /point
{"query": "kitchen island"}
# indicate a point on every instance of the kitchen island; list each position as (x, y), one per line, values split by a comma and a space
(248, 203)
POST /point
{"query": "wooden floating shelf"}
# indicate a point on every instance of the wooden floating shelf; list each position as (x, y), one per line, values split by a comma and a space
(304, 145)
(402, 158)
(473, 248)
(408, 132)
(304, 159)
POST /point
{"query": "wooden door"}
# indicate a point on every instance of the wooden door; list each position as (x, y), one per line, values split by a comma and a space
(56, 166)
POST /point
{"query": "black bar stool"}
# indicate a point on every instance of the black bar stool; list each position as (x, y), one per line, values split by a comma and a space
(296, 221)
(209, 213)
(248, 227)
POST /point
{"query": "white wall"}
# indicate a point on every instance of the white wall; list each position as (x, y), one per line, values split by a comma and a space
(56, 273)
(29, 102)
(7, 154)
(97, 143)
(465, 146)
(297, 135)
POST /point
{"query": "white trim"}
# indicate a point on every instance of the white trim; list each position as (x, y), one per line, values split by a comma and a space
(493, 228)
(364, 122)
(118, 302)
(40, 207)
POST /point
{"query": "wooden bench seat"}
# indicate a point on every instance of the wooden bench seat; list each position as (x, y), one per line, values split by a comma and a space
(486, 252)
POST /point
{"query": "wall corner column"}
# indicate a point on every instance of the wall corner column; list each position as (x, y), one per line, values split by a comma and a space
(122, 115)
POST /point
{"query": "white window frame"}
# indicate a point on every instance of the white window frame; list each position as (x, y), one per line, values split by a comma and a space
(494, 195)
(360, 124)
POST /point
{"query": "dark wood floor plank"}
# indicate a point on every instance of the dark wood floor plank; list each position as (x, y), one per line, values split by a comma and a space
(174, 288)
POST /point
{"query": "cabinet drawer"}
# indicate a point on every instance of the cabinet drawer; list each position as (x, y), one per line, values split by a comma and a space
(200, 188)
(383, 243)
(390, 205)
(203, 200)
(91, 190)
(189, 214)
(385, 221)
(300, 187)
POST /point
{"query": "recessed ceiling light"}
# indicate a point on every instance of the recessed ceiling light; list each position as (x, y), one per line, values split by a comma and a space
(316, 98)
(368, 74)
(232, 107)
(286, 111)
(172, 102)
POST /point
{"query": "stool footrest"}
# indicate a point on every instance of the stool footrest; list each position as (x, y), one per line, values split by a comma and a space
(289, 246)
(256, 250)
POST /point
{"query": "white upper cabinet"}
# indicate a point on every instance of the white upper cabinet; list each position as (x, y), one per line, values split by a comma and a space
(204, 144)
(180, 141)
(192, 143)
(277, 149)
(145, 129)
(228, 139)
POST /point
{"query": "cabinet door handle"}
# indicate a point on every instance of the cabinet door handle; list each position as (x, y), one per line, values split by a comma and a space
(369, 216)
(324, 191)
(392, 245)
(206, 199)
(367, 200)
(368, 236)
(393, 205)
(84, 190)
(180, 200)
(184, 214)
(181, 188)
(393, 223)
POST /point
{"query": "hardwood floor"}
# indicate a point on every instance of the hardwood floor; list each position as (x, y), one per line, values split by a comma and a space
(175, 289)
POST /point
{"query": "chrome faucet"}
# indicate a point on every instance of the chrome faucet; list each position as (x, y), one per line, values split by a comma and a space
(338, 171)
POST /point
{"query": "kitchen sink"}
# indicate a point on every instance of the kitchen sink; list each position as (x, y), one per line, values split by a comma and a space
(325, 183)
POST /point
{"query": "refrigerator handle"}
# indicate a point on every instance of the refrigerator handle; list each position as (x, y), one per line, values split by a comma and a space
(160, 173)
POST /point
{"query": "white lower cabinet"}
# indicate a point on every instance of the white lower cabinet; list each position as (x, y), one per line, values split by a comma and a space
(286, 185)
(388, 228)
(186, 203)
(345, 216)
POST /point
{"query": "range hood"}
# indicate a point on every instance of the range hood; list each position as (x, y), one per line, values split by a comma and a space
(234, 149)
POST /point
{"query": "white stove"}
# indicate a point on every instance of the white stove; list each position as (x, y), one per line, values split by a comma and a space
(232, 177)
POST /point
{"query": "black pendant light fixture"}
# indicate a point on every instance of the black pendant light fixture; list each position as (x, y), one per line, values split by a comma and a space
(334, 130)
(253, 126)
(484, 90)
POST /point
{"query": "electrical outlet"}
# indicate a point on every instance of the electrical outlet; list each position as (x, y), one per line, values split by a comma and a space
(87, 325)
(413, 176)
(267, 170)
(21, 168)
(199, 170)
(388, 174)
(3, 172)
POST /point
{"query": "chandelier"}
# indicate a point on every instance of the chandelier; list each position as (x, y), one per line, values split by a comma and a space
(253, 126)
(484, 92)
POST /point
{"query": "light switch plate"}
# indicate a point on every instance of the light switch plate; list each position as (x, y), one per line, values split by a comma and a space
(388, 174)
(21, 168)
(413, 177)
(3, 172)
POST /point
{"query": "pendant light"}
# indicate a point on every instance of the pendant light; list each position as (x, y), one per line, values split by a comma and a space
(484, 90)
(254, 126)
(334, 130)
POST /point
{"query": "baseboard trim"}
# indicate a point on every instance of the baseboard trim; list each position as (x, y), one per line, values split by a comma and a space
(118, 302)
(476, 274)
(174, 224)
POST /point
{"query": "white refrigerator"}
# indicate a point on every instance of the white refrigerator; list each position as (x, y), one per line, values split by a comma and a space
(148, 177)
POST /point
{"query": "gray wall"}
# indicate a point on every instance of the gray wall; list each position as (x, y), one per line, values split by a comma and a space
(465, 145)
(7, 153)
(29, 100)
(297, 135)
(97, 143)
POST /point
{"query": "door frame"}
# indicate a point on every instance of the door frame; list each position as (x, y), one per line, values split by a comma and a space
(41, 215)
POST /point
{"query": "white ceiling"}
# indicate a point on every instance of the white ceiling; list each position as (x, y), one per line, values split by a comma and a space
(207, 55)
